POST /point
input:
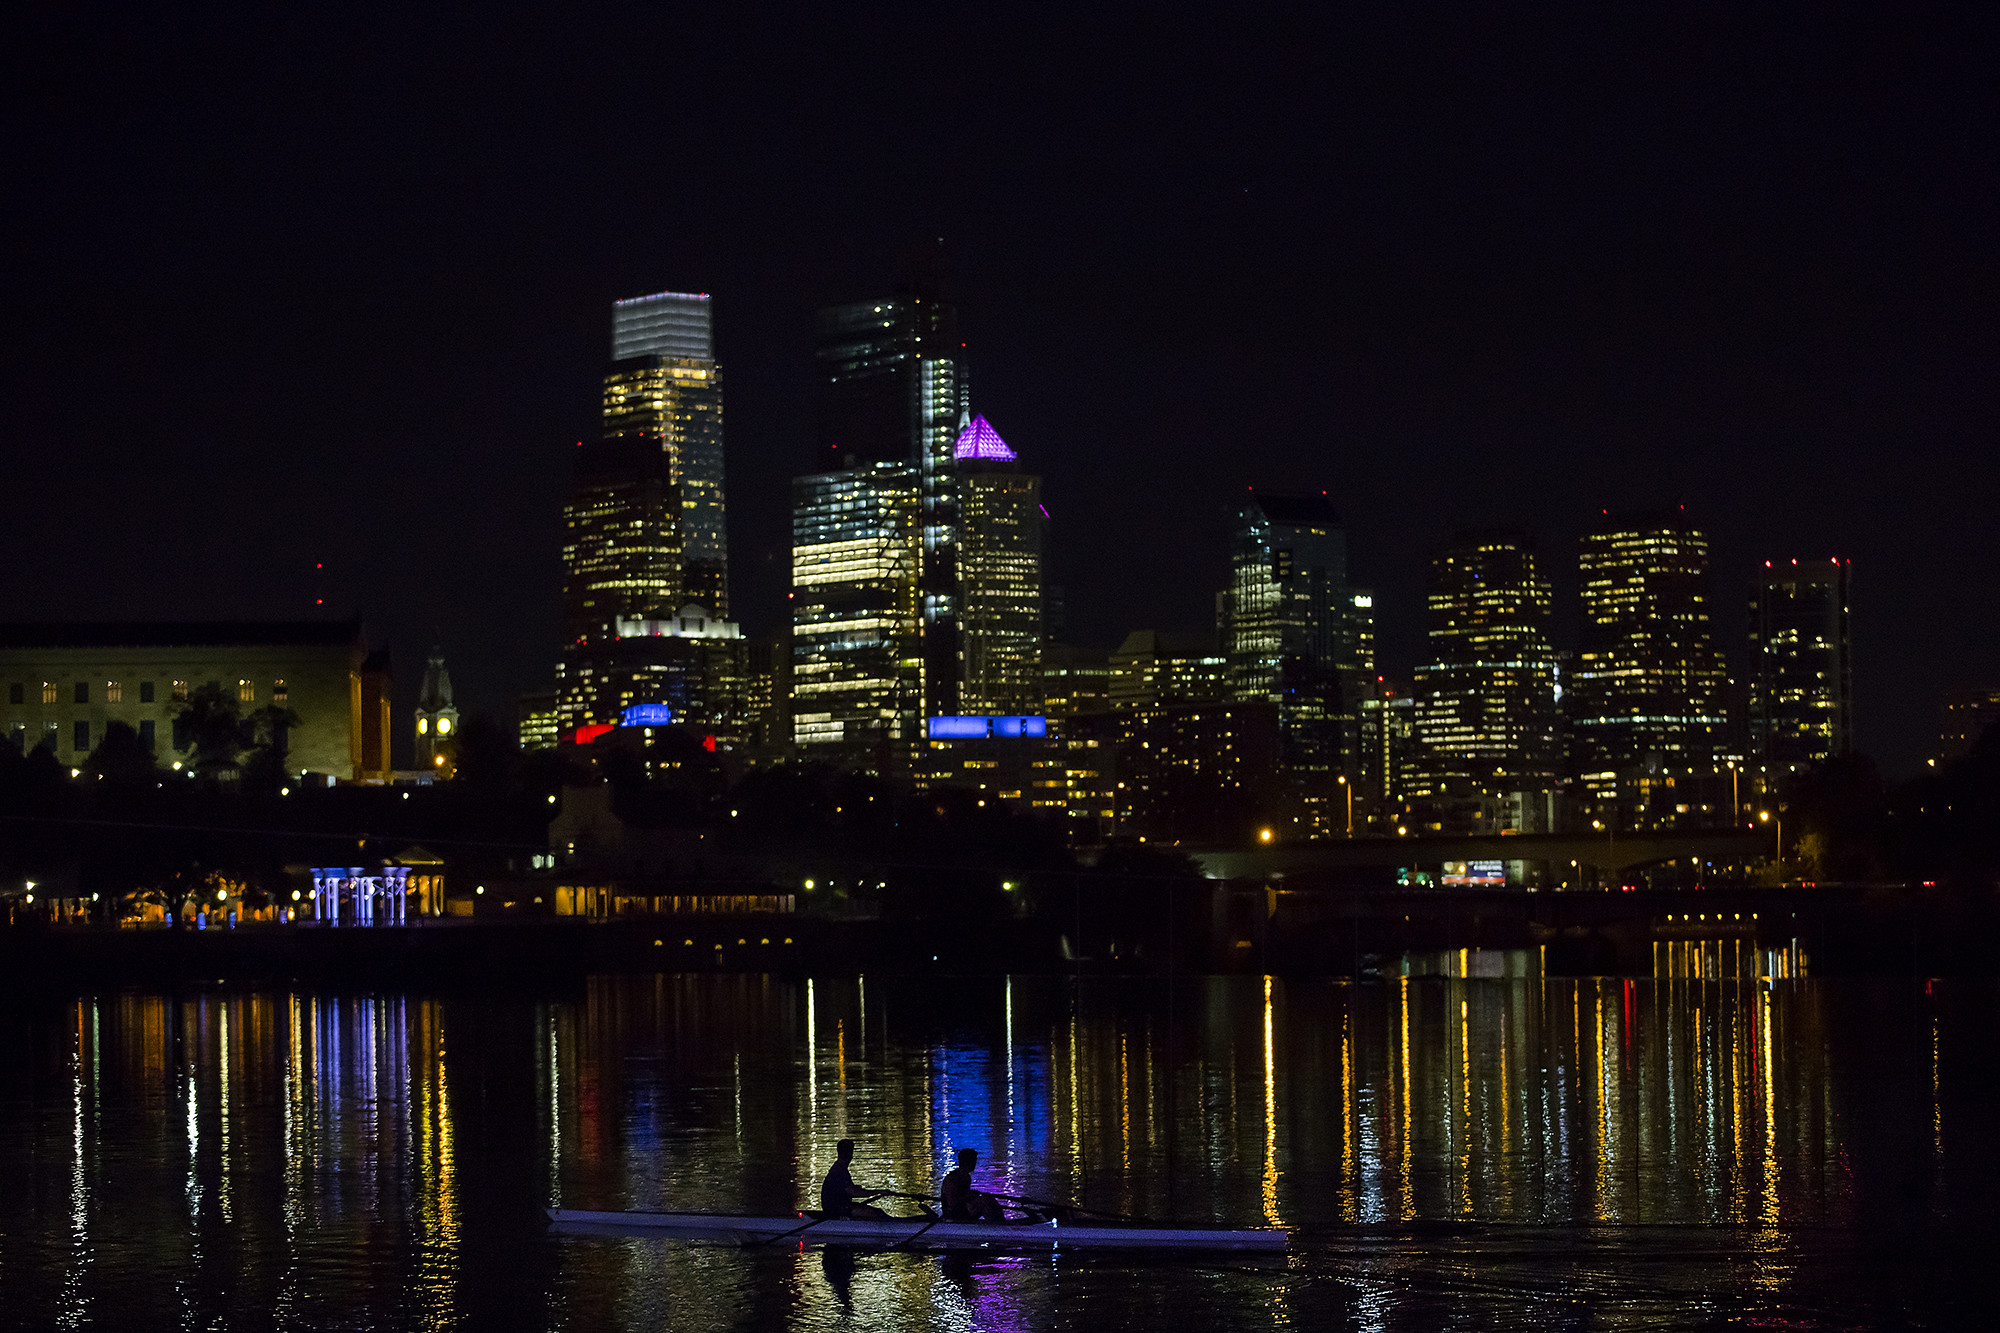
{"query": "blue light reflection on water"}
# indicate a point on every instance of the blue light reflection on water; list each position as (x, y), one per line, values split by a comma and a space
(1478, 1151)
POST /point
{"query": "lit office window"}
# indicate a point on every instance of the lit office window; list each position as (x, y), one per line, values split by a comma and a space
(114, 691)
(280, 694)
(48, 691)
(180, 692)
(246, 692)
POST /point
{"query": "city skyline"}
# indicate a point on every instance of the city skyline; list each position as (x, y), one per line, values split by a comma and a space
(771, 666)
(1492, 287)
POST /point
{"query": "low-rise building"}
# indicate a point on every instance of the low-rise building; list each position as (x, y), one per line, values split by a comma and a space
(67, 683)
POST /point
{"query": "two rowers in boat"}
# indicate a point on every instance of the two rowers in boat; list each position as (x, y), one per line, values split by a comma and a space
(838, 1197)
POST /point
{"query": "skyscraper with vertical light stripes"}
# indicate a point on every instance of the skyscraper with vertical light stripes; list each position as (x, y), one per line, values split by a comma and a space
(645, 547)
(893, 390)
(856, 668)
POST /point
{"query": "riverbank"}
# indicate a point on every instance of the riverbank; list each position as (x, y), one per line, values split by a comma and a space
(1217, 928)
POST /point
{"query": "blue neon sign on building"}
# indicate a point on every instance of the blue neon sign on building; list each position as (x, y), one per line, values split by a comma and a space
(979, 728)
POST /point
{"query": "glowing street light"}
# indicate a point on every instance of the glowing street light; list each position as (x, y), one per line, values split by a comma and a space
(1777, 823)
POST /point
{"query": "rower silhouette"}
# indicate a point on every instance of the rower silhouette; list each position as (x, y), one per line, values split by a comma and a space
(838, 1198)
(962, 1203)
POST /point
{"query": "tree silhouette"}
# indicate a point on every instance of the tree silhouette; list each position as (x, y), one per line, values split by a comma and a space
(121, 760)
(267, 734)
(215, 732)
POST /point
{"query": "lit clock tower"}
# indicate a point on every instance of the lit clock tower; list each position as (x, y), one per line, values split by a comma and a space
(437, 721)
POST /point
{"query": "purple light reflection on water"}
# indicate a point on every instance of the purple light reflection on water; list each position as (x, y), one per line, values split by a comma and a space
(997, 1304)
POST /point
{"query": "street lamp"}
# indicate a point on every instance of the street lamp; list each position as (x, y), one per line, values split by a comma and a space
(1778, 822)
(1350, 803)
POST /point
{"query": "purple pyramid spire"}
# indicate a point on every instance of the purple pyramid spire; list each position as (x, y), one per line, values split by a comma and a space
(980, 440)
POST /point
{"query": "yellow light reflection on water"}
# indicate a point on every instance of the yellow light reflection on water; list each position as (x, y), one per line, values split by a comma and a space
(1403, 1163)
(1462, 1159)
(1350, 1124)
(1270, 1114)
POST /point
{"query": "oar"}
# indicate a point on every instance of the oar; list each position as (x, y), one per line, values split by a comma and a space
(1063, 1207)
(859, 1198)
(787, 1235)
(898, 1194)
(913, 1235)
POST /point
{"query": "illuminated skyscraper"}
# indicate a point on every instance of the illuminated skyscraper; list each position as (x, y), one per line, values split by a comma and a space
(1075, 681)
(1361, 633)
(1647, 691)
(1000, 576)
(665, 388)
(1388, 749)
(1802, 683)
(1292, 633)
(621, 560)
(1151, 668)
(1485, 710)
(645, 543)
(856, 621)
(892, 390)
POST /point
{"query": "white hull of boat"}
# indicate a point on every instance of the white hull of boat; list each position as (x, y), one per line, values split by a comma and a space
(923, 1231)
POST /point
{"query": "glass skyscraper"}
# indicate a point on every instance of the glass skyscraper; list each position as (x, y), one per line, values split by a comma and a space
(1647, 691)
(856, 685)
(665, 387)
(1802, 682)
(1485, 711)
(1294, 635)
(893, 390)
(1000, 576)
(645, 548)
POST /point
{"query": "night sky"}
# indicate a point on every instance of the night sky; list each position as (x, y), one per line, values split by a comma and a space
(303, 285)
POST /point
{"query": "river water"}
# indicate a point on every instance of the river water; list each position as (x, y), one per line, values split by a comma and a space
(1466, 1153)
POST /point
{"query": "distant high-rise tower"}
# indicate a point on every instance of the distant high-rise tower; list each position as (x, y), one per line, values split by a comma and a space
(664, 387)
(1000, 576)
(1486, 701)
(1388, 745)
(1646, 694)
(1802, 683)
(856, 618)
(645, 547)
(892, 390)
(1293, 634)
(437, 720)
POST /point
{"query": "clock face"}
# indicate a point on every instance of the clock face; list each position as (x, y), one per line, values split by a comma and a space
(423, 725)
(444, 726)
